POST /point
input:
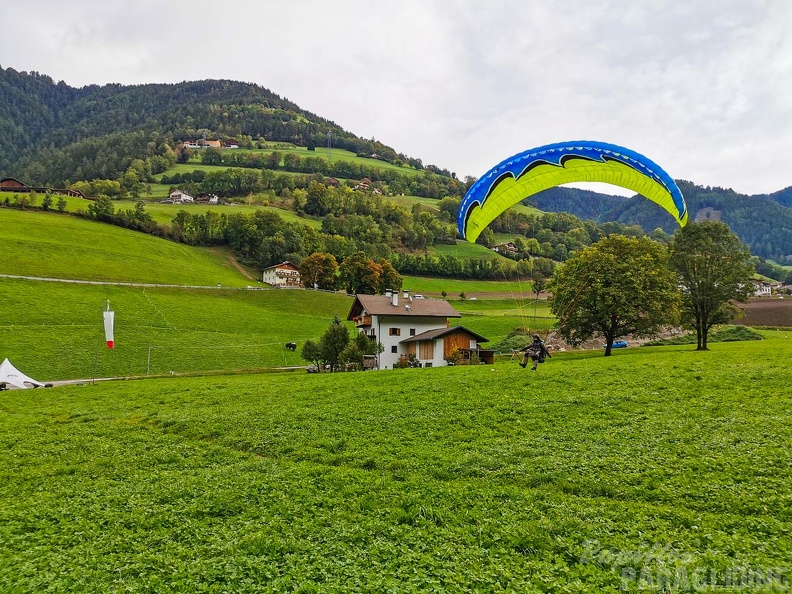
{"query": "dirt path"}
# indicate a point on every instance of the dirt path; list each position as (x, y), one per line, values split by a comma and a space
(238, 266)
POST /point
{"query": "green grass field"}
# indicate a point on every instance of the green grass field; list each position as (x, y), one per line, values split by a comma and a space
(164, 213)
(55, 245)
(334, 155)
(664, 465)
(54, 330)
(453, 287)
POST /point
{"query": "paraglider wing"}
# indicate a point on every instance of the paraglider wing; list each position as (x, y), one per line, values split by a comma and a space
(538, 169)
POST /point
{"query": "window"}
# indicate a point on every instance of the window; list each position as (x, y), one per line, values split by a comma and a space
(394, 332)
(394, 349)
(412, 331)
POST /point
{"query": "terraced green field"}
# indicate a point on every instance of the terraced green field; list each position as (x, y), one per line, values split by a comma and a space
(652, 470)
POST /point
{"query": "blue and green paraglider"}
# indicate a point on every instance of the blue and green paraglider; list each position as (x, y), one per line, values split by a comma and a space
(538, 169)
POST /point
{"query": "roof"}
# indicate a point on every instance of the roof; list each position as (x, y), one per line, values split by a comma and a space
(8, 179)
(381, 305)
(285, 264)
(438, 332)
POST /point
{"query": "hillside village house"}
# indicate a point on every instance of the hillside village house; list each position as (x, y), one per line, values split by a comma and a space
(414, 327)
(201, 143)
(763, 288)
(284, 274)
(207, 199)
(181, 197)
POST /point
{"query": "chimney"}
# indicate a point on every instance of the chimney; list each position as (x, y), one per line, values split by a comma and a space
(395, 299)
(406, 293)
(388, 293)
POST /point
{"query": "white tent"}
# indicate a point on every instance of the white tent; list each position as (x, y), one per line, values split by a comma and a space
(11, 375)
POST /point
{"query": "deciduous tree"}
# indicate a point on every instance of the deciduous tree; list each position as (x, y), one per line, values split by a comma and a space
(617, 287)
(319, 270)
(714, 269)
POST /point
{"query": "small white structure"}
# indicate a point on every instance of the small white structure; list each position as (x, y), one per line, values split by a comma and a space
(413, 328)
(284, 274)
(11, 375)
(181, 197)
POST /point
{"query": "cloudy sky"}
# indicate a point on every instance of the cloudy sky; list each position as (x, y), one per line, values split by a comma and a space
(702, 87)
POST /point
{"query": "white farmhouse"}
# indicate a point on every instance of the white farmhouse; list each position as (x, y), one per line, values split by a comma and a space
(284, 274)
(414, 327)
(181, 197)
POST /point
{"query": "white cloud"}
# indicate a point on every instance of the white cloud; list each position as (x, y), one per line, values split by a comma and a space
(702, 88)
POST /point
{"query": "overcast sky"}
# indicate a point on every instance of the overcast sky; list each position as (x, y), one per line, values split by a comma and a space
(702, 87)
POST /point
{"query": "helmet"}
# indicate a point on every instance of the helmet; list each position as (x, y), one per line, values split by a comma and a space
(536, 337)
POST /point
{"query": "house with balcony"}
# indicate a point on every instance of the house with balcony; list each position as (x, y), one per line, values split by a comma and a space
(181, 197)
(284, 274)
(415, 329)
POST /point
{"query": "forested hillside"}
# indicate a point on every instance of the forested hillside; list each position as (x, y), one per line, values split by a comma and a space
(52, 133)
(763, 222)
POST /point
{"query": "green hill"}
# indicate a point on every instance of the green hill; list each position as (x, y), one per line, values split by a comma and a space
(59, 246)
(53, 133)
(665, 465)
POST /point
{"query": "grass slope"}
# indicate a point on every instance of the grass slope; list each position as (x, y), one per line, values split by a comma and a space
(54, 245)
(647, 463)
(53, 331)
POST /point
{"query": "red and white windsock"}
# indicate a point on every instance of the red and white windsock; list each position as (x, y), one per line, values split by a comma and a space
(109, 318)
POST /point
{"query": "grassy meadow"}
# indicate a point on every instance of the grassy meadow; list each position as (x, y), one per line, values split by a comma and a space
(54, 245)
(661, 469)
(651, 468)
(520, 288)
(53, 331)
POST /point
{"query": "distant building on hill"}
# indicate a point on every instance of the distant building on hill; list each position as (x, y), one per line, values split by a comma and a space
(284, 274)
(415, 329)
(201, 143)
(181, 197)
(10, 184)
(506, 247)
(762, 288)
